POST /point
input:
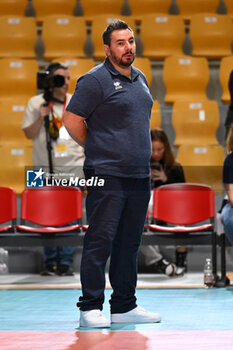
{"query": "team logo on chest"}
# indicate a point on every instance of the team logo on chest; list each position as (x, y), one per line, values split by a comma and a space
(117, 85)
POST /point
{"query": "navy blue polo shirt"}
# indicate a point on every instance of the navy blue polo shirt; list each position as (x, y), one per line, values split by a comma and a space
(117, 111)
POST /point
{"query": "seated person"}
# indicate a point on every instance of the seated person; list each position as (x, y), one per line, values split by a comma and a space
(164, 170)
(227, 209)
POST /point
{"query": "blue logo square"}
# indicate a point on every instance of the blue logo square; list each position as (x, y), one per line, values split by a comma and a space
(35, 178)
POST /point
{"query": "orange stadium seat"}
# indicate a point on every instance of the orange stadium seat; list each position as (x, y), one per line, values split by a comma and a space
(18, 78)
(187, 8)
(14, 159)
(211, 35)
(225, 69)
(13, 7)
(101, 7)
(156, 117)
(45, 8)
(10, 127)
(15, 104)
(144, 65)
(18, 36)
(139, 7)
(185, 78)
(195, 122)
(162, 35)
(99, 23)
(77, 67)
(229, 7)
(202, 164)
(63, 36)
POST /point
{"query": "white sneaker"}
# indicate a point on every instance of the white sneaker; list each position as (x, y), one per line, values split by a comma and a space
(137, 315)
(179, 271)
(93, 319)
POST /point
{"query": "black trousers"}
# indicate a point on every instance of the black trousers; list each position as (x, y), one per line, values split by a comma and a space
(116, 215)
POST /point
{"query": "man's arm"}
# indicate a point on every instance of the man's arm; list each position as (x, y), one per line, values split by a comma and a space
(76, 127)
(229, 190)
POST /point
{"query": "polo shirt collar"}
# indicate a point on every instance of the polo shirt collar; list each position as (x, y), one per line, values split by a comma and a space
(112, 70)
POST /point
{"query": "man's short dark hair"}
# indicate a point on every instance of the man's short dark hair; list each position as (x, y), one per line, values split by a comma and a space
(114, 25)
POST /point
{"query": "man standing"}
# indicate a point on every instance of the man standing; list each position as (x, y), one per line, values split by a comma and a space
(109, 114)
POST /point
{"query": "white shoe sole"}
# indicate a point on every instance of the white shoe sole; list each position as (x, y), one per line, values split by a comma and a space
(95, 325)
(120, 318)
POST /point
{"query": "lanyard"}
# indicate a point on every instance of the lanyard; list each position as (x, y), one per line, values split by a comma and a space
(57, 122)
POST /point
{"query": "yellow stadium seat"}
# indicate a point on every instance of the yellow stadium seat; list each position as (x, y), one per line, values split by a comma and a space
(63, 36)
(187, 8)
(162, 35)
(10, 127)
(139, 7)
(14, 104)
(77, 67)
(14, 159)
(101, 7)
(203, 164)
(18, 78)
(13, 7)
(229, 7)
(144, 65)
(45, 8)
(211, 35)
(156, 118)
(18, 36)
(195, 122)
(99, 23)
(185, 78)
(225, 69)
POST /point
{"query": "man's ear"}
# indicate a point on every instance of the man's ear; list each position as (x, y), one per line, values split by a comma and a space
(106, 49)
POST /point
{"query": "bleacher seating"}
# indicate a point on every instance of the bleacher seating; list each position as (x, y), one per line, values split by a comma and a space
(13, 7)
(195, 122)
(229, 7)
(18, 79)
(13, 105)
(185, 78)
(211, 35)
(202, 164)
(156, 116)
(139, 7)
(162, 35)
(187, 8)
(63, 36)
(225, 69)
(18, 36)
(101, 7)
(10, 127)
(45, 8)
(14, 159)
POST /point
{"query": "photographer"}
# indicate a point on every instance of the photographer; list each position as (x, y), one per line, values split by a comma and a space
(53, 148)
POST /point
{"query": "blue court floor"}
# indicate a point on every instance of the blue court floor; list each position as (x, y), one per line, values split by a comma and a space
(55, 310)
(192, 319)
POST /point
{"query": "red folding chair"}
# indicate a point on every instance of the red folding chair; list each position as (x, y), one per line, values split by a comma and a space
(8, 209)
(49, 208)
(188, 211)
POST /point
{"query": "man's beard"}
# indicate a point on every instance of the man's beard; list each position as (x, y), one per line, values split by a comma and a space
(120, 62)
